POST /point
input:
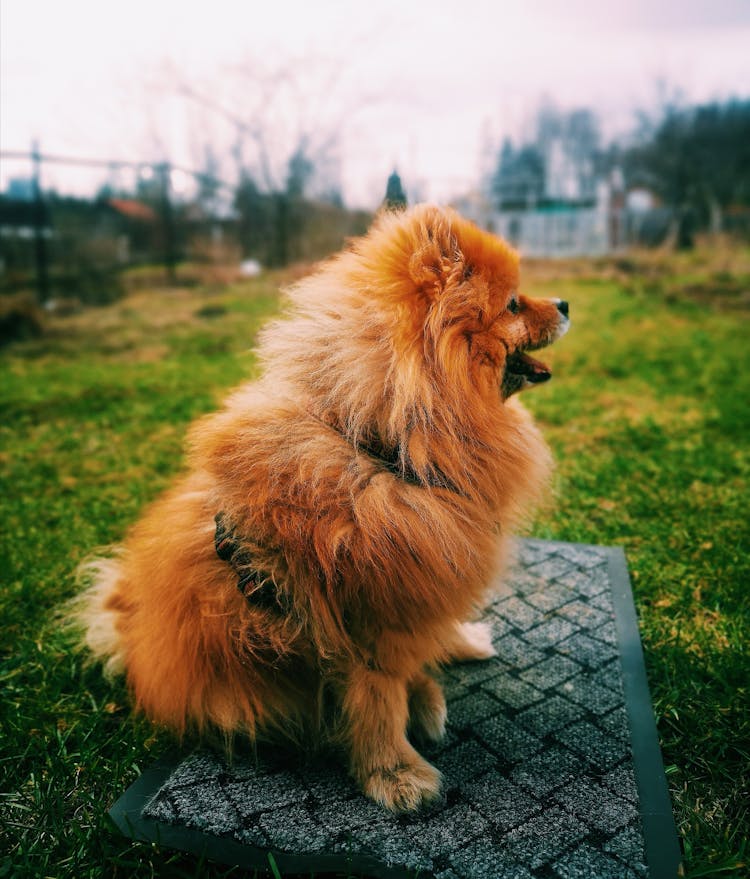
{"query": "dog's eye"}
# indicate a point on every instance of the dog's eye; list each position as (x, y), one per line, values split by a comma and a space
(513, 306)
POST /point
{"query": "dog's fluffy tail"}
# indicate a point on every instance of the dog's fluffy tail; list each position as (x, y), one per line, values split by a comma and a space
(92, 619)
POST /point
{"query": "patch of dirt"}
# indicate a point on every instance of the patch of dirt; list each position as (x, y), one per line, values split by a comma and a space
(727, 295)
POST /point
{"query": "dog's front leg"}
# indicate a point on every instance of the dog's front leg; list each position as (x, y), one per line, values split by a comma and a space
(387, 767)
(427, 709)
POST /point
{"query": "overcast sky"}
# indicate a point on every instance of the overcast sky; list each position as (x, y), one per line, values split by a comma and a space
(423, 85)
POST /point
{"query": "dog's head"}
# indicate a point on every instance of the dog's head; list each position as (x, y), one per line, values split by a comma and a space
(460, 300)
(419, 321)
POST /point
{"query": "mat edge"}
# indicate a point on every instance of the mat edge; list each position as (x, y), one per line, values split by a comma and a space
(663, 853)
(127, 815)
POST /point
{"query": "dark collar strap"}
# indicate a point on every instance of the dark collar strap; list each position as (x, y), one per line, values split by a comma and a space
(257, 586)
(390, 459)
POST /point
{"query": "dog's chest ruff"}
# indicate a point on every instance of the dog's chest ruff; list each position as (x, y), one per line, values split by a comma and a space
(258, 586)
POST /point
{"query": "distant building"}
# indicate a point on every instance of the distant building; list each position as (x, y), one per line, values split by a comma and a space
(133, 210)
(20, 189)
(131, 224)
(549, 203)
(557, 228)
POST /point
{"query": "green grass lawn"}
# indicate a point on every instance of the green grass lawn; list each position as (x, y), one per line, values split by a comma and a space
(649, 419)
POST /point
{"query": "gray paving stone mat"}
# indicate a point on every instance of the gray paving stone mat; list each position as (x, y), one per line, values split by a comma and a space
(551, 764)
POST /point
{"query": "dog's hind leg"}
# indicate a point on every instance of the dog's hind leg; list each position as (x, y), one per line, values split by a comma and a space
(388, 768)
(469, 642)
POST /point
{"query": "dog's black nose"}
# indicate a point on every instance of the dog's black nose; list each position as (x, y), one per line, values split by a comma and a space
(562, 307)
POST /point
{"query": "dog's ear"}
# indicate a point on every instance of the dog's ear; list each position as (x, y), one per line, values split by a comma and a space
(426, 268)
(437, 255)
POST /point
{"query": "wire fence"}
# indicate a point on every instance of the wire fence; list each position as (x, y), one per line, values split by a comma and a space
(147, 213)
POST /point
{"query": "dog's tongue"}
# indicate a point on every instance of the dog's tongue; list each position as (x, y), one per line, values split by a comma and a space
(533, 370)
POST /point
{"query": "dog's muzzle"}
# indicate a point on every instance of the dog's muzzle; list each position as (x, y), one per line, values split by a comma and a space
(523, 371)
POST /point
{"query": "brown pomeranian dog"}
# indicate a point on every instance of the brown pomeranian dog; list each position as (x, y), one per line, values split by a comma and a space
(344, 515)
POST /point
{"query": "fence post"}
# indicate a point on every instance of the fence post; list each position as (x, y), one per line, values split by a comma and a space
(281, 229)
(167, 216)
(39, 216)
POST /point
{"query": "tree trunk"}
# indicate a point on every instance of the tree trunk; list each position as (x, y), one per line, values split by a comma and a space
(716, 215)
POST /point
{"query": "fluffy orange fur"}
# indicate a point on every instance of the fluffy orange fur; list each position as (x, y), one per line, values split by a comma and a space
(400, 344)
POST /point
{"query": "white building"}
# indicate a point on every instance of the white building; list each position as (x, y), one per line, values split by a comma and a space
(577, 214)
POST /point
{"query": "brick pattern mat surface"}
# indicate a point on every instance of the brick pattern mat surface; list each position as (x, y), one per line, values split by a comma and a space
(538, 773)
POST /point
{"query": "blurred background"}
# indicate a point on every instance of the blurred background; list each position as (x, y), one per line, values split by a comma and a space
(239, 136)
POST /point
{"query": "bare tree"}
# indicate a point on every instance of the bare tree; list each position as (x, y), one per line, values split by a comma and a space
(279, 114)
(285, 123)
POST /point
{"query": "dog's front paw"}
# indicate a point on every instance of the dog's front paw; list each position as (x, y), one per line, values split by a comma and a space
(427, 709)
(404, 788)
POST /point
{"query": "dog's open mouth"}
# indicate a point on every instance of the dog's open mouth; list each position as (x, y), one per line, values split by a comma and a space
(532, 370)
(521, 371)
